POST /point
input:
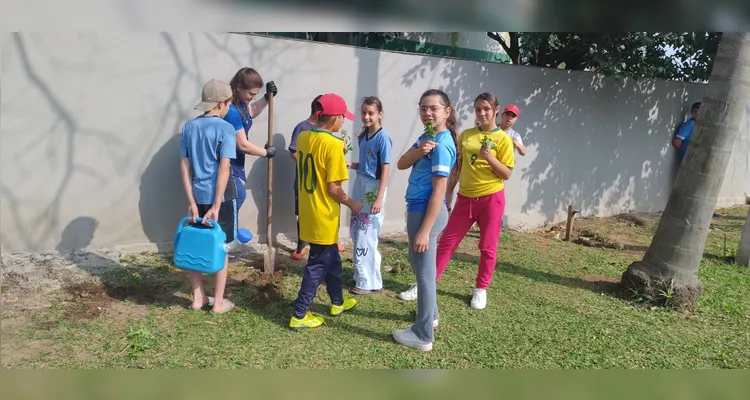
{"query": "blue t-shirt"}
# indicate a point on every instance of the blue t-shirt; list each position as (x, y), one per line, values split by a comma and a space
(684, 134)
(240, 120)
(205, 140)
(301, 127)
(373, 153)
(439, 162)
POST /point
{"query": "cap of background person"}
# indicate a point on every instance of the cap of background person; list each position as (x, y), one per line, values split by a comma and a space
(333, 104)
(214, 91)
(512, 108)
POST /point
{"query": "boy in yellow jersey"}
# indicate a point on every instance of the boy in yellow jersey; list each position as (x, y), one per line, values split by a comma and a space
(321, 167)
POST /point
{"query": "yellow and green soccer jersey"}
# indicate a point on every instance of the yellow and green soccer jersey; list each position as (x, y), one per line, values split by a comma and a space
(476, 178)
(320, 160)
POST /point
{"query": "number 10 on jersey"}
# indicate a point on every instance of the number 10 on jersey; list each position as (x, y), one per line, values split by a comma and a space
(308, 175)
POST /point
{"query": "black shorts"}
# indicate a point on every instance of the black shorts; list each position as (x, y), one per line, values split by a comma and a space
(227, 217)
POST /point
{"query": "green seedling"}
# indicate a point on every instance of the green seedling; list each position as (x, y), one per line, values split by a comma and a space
(486, 142)
(371, 196)
(347, 141)
(431, 134)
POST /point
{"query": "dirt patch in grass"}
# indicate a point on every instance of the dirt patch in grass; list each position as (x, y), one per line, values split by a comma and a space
(86, 300)
(626, 232)
(249, 286)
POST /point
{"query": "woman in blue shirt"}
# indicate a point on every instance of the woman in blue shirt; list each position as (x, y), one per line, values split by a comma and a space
(246, 84)
(431, 161)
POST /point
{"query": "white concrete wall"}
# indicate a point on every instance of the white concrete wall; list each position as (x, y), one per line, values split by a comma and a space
(91, 122)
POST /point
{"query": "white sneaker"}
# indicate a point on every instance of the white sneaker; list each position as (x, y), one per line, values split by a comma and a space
(434, 323)
(410, 294)
(479, 299)
(409, 339)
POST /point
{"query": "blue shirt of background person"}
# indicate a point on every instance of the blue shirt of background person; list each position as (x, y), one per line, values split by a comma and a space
(439, 162)
(373, 153)
(204, 141)
(682, 138)
(301, 127)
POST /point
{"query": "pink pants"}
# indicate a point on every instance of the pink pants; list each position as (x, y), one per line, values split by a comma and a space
(487, 211)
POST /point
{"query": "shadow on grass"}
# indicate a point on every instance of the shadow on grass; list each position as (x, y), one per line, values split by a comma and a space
(263, 294)
(720, 259)
(593, 283)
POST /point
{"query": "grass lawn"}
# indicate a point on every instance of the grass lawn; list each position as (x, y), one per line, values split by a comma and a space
(551, 305)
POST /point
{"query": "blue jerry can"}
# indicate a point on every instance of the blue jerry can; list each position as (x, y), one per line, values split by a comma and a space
(199, 248)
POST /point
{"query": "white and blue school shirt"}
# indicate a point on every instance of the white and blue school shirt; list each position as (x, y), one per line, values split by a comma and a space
(439, 162)
(373, 153)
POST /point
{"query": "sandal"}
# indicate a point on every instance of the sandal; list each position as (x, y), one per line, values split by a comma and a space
(229, 308)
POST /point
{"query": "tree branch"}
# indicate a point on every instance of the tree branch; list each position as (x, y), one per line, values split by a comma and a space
(494, 36)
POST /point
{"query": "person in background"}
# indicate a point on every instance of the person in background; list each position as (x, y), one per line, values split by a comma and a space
(681, 139)
(305, 125)
(507, 120)
(684, 134)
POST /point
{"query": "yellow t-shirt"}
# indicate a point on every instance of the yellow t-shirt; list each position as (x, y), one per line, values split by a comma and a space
(476, 178)
(319, 161)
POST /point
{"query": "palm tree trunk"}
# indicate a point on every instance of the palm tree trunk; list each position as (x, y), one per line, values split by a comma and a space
(743, 251)
(669, 270)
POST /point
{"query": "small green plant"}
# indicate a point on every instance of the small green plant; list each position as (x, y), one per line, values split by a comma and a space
(431, 134)
(666, 291)
(347, 141)
(595, 236)
(139, 339)
(486, 142)
(371, 196)
(132, 279)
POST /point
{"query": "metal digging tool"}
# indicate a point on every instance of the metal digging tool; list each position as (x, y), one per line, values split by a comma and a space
(269, 257)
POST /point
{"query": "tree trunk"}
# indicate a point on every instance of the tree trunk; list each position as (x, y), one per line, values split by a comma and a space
(515, 48)
(668, 272)
(743, 252)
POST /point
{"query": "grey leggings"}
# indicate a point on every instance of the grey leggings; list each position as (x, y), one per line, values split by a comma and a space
(424, 266)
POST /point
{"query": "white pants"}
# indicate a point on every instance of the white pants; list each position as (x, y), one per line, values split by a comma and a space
(364, 229)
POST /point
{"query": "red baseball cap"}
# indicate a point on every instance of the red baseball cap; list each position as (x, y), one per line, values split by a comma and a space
(334, 104)
(513, 108)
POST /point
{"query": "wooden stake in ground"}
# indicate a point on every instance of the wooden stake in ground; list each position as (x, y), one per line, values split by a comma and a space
(269, 257)
(569, 224)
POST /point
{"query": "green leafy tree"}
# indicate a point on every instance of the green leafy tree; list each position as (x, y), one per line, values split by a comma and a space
(685, 56)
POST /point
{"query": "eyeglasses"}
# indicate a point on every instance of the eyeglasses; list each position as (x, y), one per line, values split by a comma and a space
(432, 110)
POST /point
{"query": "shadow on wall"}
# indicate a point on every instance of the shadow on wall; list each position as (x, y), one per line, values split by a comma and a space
(162, 200)
(466, 80)
(628, 165)
(617, 124)
(75, 238)
(78, 234)
(284, 220)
